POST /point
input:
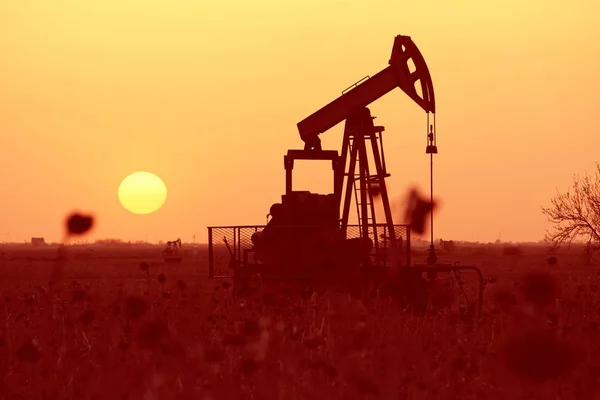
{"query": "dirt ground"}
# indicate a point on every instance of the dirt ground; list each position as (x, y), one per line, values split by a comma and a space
(109, 328)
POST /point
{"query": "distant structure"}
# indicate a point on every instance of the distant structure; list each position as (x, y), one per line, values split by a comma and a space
(172, 253)
(38, 242)
(447, 245)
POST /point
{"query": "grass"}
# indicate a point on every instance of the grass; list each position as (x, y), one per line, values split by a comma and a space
(109, 330)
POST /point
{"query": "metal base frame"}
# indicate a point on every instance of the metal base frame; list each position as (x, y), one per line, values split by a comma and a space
(450, 268)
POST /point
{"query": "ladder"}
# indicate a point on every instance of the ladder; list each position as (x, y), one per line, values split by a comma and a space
(361, 182)
(361, 137)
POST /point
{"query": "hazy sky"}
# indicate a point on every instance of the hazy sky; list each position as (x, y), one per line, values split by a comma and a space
(207, 94)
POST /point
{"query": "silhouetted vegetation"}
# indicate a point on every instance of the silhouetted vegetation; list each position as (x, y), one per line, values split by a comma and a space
(156, 330)
(575, 214)
(136, 338)
(512, 250)
(79, 224)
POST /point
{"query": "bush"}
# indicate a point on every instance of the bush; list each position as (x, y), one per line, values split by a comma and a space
(512, 250)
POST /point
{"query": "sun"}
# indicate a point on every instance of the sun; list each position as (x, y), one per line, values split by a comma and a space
(142, 193)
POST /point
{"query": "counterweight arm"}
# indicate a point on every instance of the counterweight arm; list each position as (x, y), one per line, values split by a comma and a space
(398, 74)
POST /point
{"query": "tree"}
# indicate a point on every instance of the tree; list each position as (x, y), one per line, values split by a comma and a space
(576, 213)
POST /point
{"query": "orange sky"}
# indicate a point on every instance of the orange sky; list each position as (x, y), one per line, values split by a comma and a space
(207, 94)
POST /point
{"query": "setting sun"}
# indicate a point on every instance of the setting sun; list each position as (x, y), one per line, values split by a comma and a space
(142, 193)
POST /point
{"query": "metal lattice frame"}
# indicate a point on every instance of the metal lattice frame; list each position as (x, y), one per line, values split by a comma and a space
(240, 245)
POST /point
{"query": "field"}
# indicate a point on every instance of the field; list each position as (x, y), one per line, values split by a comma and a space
(110, 329)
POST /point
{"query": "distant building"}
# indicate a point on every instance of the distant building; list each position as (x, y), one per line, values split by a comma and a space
(38, 241)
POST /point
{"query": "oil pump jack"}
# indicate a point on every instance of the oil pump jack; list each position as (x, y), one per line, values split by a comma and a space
(307, 225)
(306, 235)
